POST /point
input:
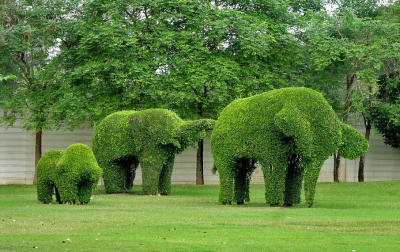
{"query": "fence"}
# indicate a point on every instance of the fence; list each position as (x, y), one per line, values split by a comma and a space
(17, 159)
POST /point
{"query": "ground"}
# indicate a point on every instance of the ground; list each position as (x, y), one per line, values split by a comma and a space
(345, 217)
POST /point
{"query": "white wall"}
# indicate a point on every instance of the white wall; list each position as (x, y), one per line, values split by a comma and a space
(17, 159)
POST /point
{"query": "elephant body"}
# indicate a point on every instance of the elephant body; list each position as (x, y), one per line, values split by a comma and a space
(290, 132)
(151, 138)
(71, 174)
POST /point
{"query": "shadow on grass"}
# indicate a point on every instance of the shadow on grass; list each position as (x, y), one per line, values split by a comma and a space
(100, 190)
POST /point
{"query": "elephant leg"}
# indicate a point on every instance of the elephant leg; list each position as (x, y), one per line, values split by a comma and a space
(294, 178)
(244, 169)
(58, 199)
(114, 178)
(151, 170)
(131, 167)
(164, 184)
(45, 191)
(274, 178)
(226, 176)
(85, 191)
(241, 188)
(247, 195)
(68, 191)
(311, 175)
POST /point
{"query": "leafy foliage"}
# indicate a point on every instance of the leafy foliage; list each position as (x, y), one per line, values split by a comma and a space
(72, 174)
(385, 112)
(150, 137)
(28, 39)
(290, 132)
(46, 176)
(345, 53)
(193, 57)
(352, 144)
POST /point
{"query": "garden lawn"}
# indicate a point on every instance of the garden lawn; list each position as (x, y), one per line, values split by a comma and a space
(345, 217)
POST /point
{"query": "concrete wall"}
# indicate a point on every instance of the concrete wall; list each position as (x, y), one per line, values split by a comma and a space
(17, 159)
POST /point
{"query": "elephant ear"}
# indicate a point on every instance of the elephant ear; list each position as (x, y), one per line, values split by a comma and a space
(292, 123)
(154, 127)
(353, 142)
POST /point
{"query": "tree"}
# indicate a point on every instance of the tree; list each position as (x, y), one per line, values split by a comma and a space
(356, 49)
(28, 32)
(193, 57)
(385, 110)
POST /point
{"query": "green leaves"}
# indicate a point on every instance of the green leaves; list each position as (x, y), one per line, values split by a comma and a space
(353, 143)
(29, 32)
(288, 131)
(385, 111)
(150, 137)
(71, 174)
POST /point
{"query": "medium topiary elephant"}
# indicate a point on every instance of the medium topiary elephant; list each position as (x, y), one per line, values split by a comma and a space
(150, 137)
(290, 132)
(71, 174)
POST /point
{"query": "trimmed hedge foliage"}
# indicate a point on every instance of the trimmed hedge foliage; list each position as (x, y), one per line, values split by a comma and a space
(46, 176)
(72, 174)
(150, 137)
(290, 132)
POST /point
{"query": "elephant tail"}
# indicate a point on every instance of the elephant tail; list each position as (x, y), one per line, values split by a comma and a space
(214, 169)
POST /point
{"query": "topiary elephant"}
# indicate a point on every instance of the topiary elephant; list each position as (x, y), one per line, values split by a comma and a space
(290, 132)
(71, 174)
(151, 138)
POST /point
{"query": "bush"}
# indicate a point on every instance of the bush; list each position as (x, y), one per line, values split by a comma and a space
(72, 174)
(290, 132)
(46, 176)
(150, 137)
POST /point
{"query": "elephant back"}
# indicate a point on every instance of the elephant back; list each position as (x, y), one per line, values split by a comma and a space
(248, 125)
(78, 163)
(113, 137)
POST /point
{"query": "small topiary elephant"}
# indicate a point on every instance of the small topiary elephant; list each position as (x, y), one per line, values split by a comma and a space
(150, 137)
(290, 132)
(72, 174)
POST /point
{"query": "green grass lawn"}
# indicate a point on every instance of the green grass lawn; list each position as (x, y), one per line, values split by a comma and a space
(345, 217)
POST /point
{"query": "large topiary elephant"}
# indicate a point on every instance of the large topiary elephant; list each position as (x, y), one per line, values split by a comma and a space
(290, 132)
(150, 137)
(71, 175)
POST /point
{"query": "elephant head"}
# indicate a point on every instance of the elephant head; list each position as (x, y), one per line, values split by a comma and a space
(353, 142)
(189, 133)
(167, 128)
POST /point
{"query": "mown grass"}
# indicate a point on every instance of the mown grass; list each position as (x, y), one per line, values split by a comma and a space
(345, 217)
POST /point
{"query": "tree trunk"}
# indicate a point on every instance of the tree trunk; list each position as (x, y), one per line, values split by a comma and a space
(199, 164)
(361, 164)
(336, 167)
(350, 79)
(38, 151)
